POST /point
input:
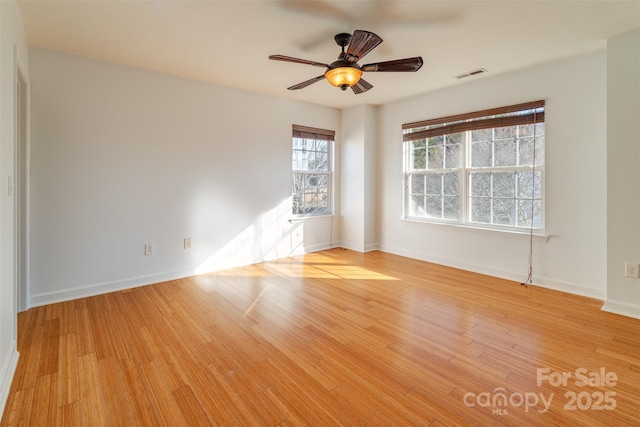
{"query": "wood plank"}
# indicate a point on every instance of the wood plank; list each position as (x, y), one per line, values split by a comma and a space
(117, 404)
(68, 382)
(93, 411)
(84, 334)
(142, 412)
(162, 399)
(18, 409)
(44, 406)
(190, 407)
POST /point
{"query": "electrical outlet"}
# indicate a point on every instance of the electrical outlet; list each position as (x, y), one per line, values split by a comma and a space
(632, 270)
(187, 242)
(148, 249)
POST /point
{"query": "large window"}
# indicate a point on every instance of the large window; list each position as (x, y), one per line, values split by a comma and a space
(311, 167)
(481, 169)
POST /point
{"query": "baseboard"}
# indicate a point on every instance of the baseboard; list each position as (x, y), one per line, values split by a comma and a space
(372, 247)
(6, 375)
(622, 308)
(319, 247)
(106, 287)
(134, 282)
(345, 245)
(540, 281)
(357, 248)
(568, 287)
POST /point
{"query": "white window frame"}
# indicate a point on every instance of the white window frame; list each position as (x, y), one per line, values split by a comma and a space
(465, 170)
(309, 133)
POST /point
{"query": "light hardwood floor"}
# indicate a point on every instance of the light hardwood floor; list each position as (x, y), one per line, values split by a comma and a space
(327, 339)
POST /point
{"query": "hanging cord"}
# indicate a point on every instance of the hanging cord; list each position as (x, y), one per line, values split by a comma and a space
(533, 193)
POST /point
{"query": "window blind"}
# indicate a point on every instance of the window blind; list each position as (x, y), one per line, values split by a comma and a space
(313, 133)
(519, 114)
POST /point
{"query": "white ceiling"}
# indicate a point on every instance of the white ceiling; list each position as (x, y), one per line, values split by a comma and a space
(228, 42)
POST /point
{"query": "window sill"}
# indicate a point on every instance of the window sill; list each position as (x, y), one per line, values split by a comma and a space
(524, 234)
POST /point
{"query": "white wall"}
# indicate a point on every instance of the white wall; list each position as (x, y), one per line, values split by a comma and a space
(121, 157)
(358, 181)
(352, 179)
(370, 188)
(574, 257)
(13, 51)
(623, 176)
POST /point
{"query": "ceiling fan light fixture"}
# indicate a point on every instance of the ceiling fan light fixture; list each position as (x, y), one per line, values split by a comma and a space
(343, 76)
(345, 73)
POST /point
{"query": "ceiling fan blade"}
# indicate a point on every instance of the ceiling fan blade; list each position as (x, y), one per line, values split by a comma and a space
(306, 83)
(362, 42)
(406, 64)
(297, 60)
(361, 86)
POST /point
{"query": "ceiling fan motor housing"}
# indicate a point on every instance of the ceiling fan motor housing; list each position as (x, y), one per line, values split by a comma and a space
(342, 39)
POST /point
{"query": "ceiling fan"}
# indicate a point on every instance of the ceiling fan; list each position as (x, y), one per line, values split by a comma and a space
(345, 72)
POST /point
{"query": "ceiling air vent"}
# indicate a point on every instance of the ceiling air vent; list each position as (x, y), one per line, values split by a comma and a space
(471, 73)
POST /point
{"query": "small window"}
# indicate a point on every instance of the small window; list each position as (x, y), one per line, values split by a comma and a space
(311, 166)
(482, 169)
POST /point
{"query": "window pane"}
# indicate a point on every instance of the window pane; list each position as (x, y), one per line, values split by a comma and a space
(454, 138)
(481, 135)
(480, 184)
(434, 206)
(451, 184)
(504, 184)
(321, 161)
(481, 155)
(436, 157)
(417, 183)
(539, 151)
(310, 193)
(418, 155)
(451, 208)
(310, 180)
(311, 160)
(524, 213)
(525, 130)
(436, 141)
(323, 183)
(453, 156)
(434, 183)
(322, 145)
(504, 212)
(481, 209)
(303, 160)
(508, 132)
(525, 152)
(526, 181)
(297, 191)
(505, 153)
(295, 159)
(416, 206)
